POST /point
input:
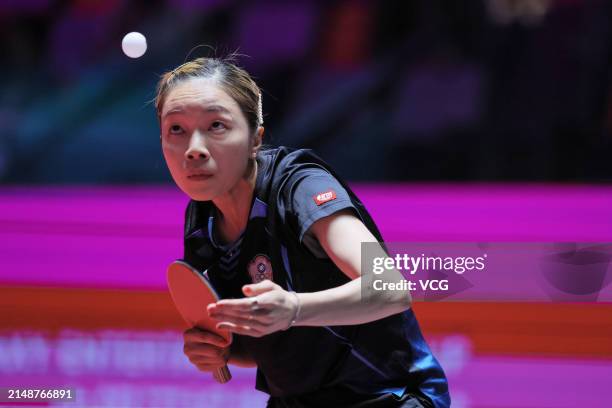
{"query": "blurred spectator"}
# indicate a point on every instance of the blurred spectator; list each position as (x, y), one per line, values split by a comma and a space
(469, 89)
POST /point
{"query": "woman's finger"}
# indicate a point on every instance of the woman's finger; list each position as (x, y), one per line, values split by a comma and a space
(244, 304)
(195, 335)
(250, 321)
(263, 318)
(255, 289)
(207, 360)
(205, 350)
(263, 301)
(206, 365)
(216, 313)
(244, 330)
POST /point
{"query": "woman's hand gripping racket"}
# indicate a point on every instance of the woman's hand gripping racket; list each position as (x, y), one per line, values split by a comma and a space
(192, 293)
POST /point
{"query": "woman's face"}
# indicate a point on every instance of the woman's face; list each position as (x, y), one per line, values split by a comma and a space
(205, 139)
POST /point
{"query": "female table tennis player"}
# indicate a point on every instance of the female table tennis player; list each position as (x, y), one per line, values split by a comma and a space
(280, 236)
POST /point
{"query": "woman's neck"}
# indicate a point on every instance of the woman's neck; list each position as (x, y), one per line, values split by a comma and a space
(234, 208)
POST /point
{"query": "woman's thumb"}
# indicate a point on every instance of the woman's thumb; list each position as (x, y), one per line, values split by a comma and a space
(255, 289)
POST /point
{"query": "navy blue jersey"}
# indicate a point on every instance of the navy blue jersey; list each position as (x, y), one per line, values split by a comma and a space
(295, 188)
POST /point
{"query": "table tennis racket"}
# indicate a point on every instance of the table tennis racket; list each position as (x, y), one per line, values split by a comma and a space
(192, 293)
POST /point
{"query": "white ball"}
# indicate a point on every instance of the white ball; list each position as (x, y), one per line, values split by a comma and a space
(134, 44)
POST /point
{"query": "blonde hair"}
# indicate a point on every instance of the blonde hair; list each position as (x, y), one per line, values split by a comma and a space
(235, 81)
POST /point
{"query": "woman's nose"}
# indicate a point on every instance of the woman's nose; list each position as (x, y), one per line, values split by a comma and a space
(194, 154)
(197, 148)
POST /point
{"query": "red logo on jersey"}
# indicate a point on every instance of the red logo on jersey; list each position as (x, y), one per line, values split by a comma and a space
(324, 197)
(260, 268)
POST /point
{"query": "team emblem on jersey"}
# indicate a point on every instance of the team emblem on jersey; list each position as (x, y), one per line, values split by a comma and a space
(324, 197)
(260, 268)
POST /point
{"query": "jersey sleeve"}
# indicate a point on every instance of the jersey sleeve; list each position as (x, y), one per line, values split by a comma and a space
(312, 194)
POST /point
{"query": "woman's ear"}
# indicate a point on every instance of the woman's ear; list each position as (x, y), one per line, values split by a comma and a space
(257, 141)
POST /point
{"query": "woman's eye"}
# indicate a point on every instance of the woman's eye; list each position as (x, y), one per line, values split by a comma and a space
(176, 129)
(216, 125)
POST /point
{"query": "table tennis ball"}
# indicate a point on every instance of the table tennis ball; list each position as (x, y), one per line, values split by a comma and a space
(134, 44)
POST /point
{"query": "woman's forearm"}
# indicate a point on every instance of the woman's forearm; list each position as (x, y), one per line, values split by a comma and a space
(344, 305)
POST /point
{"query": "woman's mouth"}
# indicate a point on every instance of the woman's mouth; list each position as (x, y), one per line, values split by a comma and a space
(199, 177)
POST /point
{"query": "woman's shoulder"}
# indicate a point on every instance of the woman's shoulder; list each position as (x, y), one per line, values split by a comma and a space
(283, 170)
(289, 154)
(280, 163)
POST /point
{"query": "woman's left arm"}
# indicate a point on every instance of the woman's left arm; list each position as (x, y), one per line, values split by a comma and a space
(269, 308)
(341, 235)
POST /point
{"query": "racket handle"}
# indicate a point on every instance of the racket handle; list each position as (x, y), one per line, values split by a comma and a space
(222, 375)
